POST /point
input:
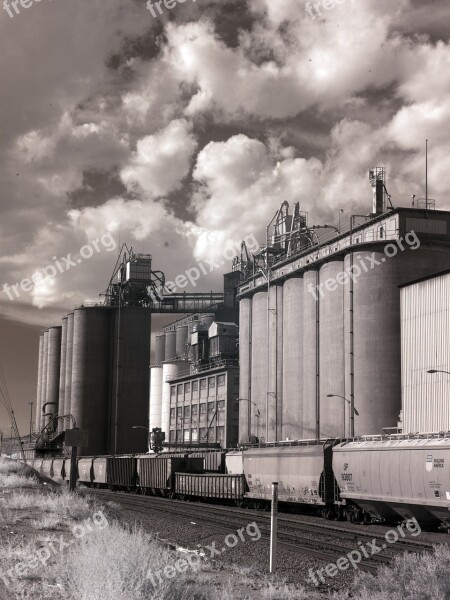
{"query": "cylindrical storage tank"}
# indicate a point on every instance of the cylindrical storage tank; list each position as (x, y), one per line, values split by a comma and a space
(44, 381)
(247, 425)
(156, 387)
(53, 371)
(275, 374)
(292, 417)
(331, 344)
(181, 340)
(62, 374)
(376, 326)
(170, 345)
(207, 320)
(130, 357)
(160, 349)
(90, 375)
(39, 384)
(310, 353)
(68, 374)
(259, 363)
(170, 371)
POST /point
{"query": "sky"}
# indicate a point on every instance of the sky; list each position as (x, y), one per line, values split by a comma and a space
(181, 134)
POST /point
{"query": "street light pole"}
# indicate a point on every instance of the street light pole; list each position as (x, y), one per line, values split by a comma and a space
(353, 410)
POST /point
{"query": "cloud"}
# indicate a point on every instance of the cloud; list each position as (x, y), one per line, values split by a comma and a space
(162, 160)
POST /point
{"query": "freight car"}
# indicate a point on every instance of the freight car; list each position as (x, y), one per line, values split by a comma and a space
(388, 478)
(156, 473)
(303, 471)
(225, 488)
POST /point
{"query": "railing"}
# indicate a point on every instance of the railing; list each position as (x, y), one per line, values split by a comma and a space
(220, 364)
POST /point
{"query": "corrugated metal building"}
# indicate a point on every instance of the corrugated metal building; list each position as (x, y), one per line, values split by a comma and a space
(425, 339)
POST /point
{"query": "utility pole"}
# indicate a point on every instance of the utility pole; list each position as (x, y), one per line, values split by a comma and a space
(31, 420)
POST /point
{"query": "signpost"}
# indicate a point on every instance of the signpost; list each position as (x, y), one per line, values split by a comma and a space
(273, 528)
(75, 438)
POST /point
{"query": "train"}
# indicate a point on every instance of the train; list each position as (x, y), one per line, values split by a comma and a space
(367, 479)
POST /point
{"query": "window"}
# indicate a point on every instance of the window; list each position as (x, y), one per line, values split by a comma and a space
(172, 391)
(180, 389)
(172, 414)
(211, 382)
(220, 434)
(172, 436)
(187, 388)
(187, 412)
(195, 386)
(179, 435)
(202, 408)
(194, 435)
(203, 384)
(210, 407)
(221, 406)
(179, 412)
(194, 410)
(220, 380)
(187, 435)
(202, 434)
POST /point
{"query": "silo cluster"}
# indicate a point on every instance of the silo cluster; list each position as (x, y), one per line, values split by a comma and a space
(93, 370)
(306, 355)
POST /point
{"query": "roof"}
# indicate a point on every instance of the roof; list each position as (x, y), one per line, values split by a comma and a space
(426, 278)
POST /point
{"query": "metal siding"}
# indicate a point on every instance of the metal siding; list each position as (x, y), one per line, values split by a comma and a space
(425, 339)
(121, 471)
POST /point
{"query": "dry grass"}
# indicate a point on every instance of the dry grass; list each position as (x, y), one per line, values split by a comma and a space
(15, 475)
(410, 577)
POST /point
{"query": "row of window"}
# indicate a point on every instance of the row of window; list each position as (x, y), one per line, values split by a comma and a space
(188, 411)
(186, 387)
(203, 434)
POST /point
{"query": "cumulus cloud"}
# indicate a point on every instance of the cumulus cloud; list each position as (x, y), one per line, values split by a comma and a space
(162, 160)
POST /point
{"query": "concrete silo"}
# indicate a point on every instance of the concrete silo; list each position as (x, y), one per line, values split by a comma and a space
(68, 369)
(156, 390)
(310, 339)
(160, 350)
(37, 417)
(274, 345)
(259, 361)
(62, 374)
(53, 370)
(292, 414)
(130, 358)
(44, 380)
(91, 374)
(246, 408)
(170, 345)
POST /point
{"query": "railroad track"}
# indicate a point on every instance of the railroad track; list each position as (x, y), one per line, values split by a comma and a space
(291, 532)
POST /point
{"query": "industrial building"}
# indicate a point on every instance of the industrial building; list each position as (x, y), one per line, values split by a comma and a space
(425, 338)
(320, 352)
(194, 383)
